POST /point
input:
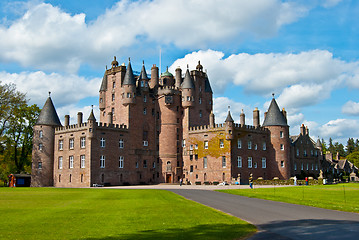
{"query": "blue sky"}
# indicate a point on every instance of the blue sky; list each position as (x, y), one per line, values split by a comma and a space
(306, 52)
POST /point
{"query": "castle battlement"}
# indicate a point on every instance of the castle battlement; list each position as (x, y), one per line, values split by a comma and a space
(111, 126)
(72, 127)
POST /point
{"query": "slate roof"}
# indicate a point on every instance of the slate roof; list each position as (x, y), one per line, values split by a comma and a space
(207, 86)
(104, 83)
(274, 116)
(143, 74)
(318, 144)
(92, 116)
(229, 117)
(187, 81)
(129, 78)
(48, 115)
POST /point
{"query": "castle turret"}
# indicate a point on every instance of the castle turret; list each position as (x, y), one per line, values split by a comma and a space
(143, 79)
(187, 91)
(103, 89)
(178, 77)
(129, 86)
(91, 121)
(167, 78)
(229, 125)
(43, 146)
(276, 123)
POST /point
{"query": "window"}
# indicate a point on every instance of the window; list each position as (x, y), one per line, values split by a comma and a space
(144, 163)
(102, 161)
(311, 153)
(144, 98)
(71, 143)
(71, 162)
(188, 98)
(82, 161)
(302, 167)
(40, 146)
(113, 84)
(191, 168)
(183, 143)
(61, 144)
(249, 162)
(316, 166)
(191, 157)
(239, 143)
(312, 166)
(224, 162)
(205, 162)
(102, 142)
(83, 142)
(113, 97)
(221, 143)
(295, 166)
(154, 164)
(113, 111)
(249, 144)
(128, 95)
(316, 153)
(200, 100)
(191, 147)
(281, 147)
(255, 147)
(145, 143)
(142, 83)
(200, 113)
(264, 146)
(60, 162)
(136, 164)
(282, 164)
(39, 166)
(297, 152)
(255, 164)
(40, 134)
(264, 162)
(144, 111)
(121, 143)
(196, 156)
(196, 146)
(307, 166)
(239, 162)
(281, 134)
(305, 153)
(205, 144)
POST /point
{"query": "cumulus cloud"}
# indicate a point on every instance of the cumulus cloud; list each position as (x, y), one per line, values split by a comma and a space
(351, 108)
(340, 129)
(46, 37)
(302, 79)
(66, 89)
(72, 110)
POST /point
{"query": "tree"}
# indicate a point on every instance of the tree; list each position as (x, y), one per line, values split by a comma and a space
(350, 146)
(354, 158)
(324, 146)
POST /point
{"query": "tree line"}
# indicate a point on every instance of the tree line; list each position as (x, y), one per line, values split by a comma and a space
(17, 118)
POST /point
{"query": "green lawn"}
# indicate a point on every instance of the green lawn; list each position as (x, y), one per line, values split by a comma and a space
(53, 213)
(344, 197)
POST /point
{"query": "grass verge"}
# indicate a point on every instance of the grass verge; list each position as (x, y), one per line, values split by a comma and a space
(52, 213)
(343, 197)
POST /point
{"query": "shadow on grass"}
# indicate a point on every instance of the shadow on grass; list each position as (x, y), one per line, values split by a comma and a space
(208, 231)
(308, 229)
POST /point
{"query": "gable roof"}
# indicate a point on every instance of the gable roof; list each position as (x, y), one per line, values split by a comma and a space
(48, 115)
(274, 116)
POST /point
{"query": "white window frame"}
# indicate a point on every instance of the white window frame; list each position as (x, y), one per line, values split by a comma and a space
(239, 162)
(145, 143)
(191, 147)
(255, 147)
(205, 144)
(282, 164)
(60, 162)
(102, 142)
(249, 144)
(196, 146)
(239, 144)
(71, 161)
(41, 146)
(281, 135)
(82, 161)
(61, 144)
(121, 143)
(102, 161)
(120, 162)
(295, 166)
(83, 142)
(205, 162)
(41, 134)
(224, 162)
(184, 143)
(71, 143)
(264, 162)
(250, 161)
(282, 147)
(264, 146)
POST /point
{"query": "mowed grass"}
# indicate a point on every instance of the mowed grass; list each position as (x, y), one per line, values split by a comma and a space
(343, 197)
(52, 213)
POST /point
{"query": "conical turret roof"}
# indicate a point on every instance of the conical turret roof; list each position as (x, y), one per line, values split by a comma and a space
(229, 117)
(274, 116)
(104, 83)
(129, 78)
(48, 115)
(143, 75)
(92, 116)
(187, 81)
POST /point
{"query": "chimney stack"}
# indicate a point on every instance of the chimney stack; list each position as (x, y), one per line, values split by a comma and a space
(67, 120)
(79, 118)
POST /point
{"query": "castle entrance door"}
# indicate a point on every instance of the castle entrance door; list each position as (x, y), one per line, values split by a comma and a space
(168, 178)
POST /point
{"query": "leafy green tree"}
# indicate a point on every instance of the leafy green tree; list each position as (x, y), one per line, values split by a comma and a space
(331, 147)
(350, 146)
(356, 145)
(324, 146)
(354, 158)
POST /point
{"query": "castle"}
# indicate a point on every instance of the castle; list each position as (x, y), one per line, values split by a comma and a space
(162, 129)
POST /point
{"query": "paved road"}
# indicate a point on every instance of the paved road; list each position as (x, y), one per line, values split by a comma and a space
(277, 220)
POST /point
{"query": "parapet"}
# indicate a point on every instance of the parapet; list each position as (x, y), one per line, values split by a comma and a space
(85, 125)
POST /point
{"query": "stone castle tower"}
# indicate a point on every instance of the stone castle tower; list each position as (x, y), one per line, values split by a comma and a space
(158, 129)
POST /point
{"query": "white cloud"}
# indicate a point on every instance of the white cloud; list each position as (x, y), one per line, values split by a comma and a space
(339, 130)
(351, 108)
(330, 3)
(66, 89)
(46, 37)
(301, 79)
(72, 110)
